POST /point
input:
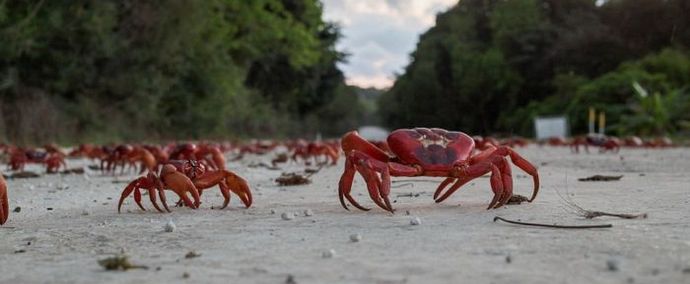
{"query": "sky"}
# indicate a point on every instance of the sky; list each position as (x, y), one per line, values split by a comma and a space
(379, 35)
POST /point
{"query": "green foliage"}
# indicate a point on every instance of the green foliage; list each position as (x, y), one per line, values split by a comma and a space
(492, 66)
(130, 70)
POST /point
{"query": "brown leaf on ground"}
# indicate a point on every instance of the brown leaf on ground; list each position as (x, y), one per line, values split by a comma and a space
(601, 178)
(119, 262)
(78, 171)
(287, 179)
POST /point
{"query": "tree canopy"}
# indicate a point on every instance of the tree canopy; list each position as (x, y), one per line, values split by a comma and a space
(131, 70)
(491, 66)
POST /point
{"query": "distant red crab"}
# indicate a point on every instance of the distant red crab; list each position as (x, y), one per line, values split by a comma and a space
(428, 152)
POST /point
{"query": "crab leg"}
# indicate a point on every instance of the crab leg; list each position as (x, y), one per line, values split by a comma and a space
(523, 164)
(496, 186)
(371, 179)
(458, 183)
(137, 198)
(475, 171)
(4, 204)
(128, 190)
(345, 185)
(506, 174)
(161, 194)
(152, 195)
(443, 185)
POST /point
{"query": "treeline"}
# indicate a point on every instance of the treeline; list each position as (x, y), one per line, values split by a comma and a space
(491, 66)
(123, 70)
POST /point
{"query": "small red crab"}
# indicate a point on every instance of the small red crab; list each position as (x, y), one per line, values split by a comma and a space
(187, 177)
(428, 152)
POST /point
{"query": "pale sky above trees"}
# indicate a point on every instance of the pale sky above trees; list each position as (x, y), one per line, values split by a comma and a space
(380, 35)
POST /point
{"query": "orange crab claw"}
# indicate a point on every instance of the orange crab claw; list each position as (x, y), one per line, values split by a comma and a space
(181, 185)
(239, 186)
(228, 182)
(4, 203)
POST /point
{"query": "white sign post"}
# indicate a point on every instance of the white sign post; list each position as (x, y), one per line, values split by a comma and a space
(554, 126)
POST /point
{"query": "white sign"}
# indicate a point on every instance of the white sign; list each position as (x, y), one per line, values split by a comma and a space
(547, 127)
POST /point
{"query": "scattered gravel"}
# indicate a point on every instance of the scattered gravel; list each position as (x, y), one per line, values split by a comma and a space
(170, 227)
(287, 216)
(415, 221)
(612, 265)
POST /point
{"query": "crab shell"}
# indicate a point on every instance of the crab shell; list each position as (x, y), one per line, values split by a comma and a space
(435, 150)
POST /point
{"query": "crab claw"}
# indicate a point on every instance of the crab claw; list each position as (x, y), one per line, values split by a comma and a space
(181, 185)
(228, 182)
(239, 186)
(4, 203)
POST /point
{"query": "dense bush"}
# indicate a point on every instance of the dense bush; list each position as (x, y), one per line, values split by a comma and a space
(130, 70)
(492, 66)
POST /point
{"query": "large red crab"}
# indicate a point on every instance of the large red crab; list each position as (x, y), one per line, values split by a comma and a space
(428, 152)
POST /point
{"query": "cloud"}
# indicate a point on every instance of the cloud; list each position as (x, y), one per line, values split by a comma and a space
(380, 35)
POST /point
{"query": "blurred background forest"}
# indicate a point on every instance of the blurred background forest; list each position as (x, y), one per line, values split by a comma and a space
(123, 70)
(491, 66)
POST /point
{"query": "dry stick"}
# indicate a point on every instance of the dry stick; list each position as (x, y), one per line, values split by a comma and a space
(594, 214)
(553, 226)
(589, 214)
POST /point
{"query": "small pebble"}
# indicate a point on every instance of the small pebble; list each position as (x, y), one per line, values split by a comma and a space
(170, 227)
(84, 213)
(355, 238)
(17, 209)
(308, 212)
(686, 270)
(290, 279)
(328, 253)
(612, 265)
(185, 275)
(415, 221)
(287, 216)
(20, 251)
(509, 259)
(273, 211)
(49, 208)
